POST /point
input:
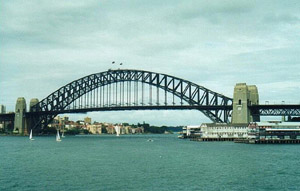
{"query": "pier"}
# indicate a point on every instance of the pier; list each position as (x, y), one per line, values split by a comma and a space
(212, 139)
(269, 141)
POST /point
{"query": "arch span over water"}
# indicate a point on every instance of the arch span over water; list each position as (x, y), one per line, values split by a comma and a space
(83, 95)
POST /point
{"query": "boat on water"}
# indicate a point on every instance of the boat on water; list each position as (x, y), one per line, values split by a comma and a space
(30, 136)
(57, 136)
(180, 136)
(150, 140)
(117, 129)
(62, 135)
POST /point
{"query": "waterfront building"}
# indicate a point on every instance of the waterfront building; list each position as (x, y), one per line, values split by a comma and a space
(132, 130)
(94, 129)
(110, 129)
(190, 131)
(138, 130)
(122, 130)
(256, 132)
(223, 130)
(126, 129)
(70, 125)
(88, 120)
(274, 130)
(59, 122)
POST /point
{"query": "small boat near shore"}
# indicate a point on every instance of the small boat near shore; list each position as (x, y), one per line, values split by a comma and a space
(58, 137)
(30, 136)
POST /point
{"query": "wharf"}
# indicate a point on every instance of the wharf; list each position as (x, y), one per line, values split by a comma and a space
(278, 141)
(212, 139)
(268, 141)
(249, 141)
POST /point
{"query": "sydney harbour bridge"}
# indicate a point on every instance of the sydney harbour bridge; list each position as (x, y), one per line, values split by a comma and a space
(126, 89)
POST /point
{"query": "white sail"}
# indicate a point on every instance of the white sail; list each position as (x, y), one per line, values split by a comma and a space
(117, 128)
(30, 136)
(62, 135)
(57, 136)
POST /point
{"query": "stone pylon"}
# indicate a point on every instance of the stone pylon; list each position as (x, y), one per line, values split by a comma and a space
(32, 119)
(20, 121)
(244, 96)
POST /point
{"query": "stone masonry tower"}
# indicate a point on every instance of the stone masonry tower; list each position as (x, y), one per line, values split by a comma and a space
(243, 96)
(31, 120)
(19, 125)
(254, 100)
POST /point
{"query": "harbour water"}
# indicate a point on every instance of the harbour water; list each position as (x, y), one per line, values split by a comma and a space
(133, 163)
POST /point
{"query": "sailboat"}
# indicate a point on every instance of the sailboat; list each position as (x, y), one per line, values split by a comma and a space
(57, 136)
(63, 131)
(30, 136)
(117, 128)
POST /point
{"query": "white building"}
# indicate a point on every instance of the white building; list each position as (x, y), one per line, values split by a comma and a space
(274, 130)
(223, 130)
(191, 130)
(276, 125)
(260, 130)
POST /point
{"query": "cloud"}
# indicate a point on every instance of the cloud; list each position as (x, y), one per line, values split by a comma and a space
(46, 44)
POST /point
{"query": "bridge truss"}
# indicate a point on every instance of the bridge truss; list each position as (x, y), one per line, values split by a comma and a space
(131, 90)
(276, 110)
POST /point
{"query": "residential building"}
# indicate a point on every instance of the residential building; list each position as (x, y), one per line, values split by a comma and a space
(94, 129)
(88, 120)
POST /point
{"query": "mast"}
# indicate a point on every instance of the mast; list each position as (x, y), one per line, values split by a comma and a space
(30, 136)
(57, 136)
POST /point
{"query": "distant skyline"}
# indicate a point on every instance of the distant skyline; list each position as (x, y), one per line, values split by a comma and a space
(47, 44)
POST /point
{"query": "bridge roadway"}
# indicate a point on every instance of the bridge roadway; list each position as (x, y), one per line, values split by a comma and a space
(7, 117)
(262, 110)
(10, 116)
(276, 110)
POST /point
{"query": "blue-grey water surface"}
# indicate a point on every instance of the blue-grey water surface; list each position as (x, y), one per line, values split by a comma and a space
(132, 163)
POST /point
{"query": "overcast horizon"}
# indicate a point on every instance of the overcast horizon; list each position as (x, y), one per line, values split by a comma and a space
(46, 44)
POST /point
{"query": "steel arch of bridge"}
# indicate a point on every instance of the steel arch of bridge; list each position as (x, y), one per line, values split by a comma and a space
(214, 105)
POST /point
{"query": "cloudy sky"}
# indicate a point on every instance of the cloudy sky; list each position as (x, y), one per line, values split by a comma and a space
(46, 44)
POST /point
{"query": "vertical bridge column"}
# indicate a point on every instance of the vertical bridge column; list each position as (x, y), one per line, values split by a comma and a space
(254, 100)
(19, 124)
(244, 96)
(32, 120)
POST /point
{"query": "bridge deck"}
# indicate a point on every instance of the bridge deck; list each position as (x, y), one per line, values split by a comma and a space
(264, 110)
(275, 106)
(7, 117)
(123, 108)
(276, 110)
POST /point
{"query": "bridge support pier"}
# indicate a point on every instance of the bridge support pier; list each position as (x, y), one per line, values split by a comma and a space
(32, 120)
(244, 96)
(20, 121)
(23, 124)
